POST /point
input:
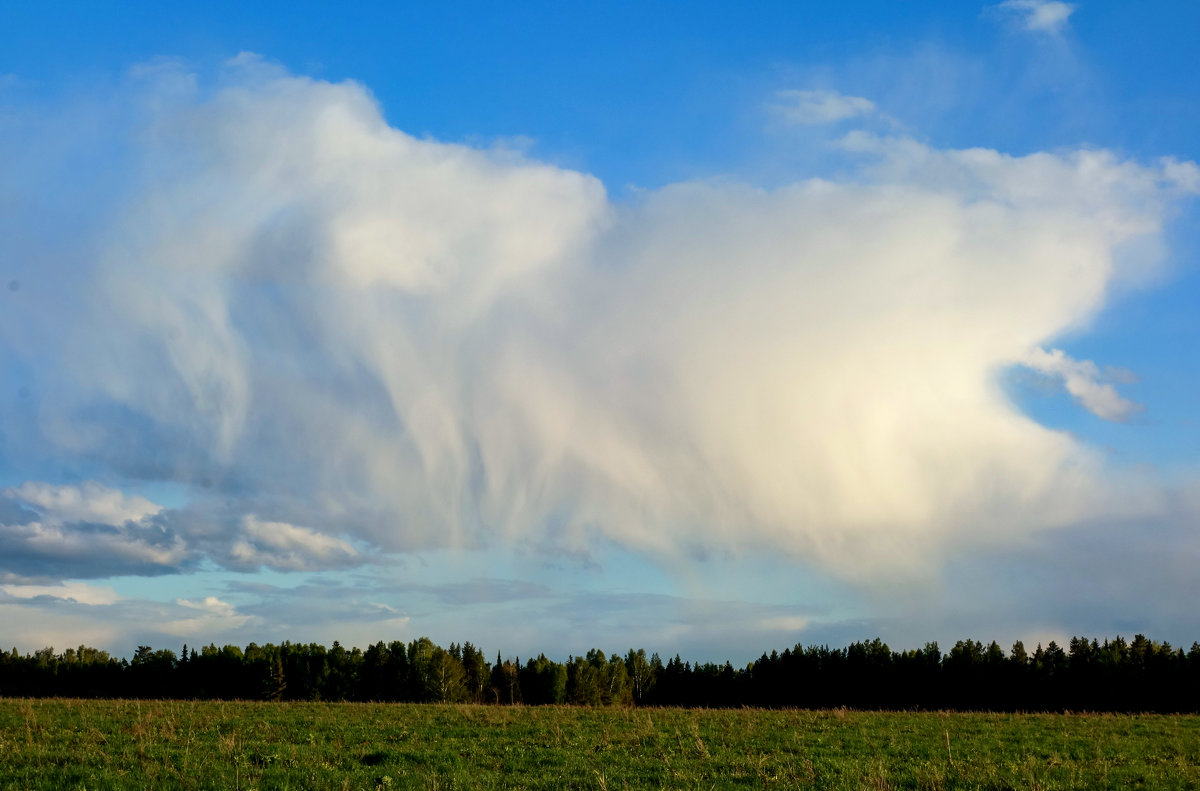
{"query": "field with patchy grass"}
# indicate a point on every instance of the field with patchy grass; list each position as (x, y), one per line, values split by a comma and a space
(67, 744)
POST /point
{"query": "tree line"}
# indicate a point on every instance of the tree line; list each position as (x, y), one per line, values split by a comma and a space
(1088, 675)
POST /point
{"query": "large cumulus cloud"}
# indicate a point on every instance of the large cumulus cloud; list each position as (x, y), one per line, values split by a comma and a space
(311, 318)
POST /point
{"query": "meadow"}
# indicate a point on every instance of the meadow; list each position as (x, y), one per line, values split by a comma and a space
(72, 744)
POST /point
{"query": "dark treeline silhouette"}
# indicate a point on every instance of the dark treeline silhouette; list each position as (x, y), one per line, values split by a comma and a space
(1116, 675)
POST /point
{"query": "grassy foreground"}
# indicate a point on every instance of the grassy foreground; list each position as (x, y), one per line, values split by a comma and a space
(65, 744)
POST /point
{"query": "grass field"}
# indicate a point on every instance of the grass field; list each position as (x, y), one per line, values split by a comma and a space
(64, 744)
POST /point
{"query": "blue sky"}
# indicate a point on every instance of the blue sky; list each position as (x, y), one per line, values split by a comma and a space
(698, 327)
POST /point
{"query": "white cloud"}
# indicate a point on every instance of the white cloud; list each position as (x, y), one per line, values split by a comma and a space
(70, 544)
(1042, 16)
(53, 531)
(1184, 176)
(288, 547)
(80, 592)
(784, 623)
(1084, 380)
(88, 502)
(214, 616)
(210, 605)
(328, 322)
(814, 107)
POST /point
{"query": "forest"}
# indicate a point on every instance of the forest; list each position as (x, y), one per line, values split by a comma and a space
(1087, 675)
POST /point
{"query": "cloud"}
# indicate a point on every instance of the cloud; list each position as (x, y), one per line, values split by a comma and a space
(212, 616)
(1115, 576)
(813, 107)
(783, 623)
(326, 609)
(337, 335)
(87, 531)
(289, 548)
(88, 502)
(1039, 16)
(80, 592)
(82, 531)
(1184, 175)
(1084, 380)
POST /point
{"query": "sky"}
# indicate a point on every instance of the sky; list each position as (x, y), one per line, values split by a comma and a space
(705, 328)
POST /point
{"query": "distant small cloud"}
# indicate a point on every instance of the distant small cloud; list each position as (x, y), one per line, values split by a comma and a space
(210, 615)
(210, 604)
(783, 623)
(245, 58)
(1039, 16)
(812, 108)
(1183, 176)
(171, 77)
(1084, 380)
(79, 592)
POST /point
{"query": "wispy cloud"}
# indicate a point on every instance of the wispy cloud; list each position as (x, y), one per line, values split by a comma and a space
(1039, 16)
(80, 592)
(1084, 380)
(87, 502)
(815, 107)
(288, 547)
(211, 616)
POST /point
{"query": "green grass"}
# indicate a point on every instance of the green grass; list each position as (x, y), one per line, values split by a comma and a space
(64, 744)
